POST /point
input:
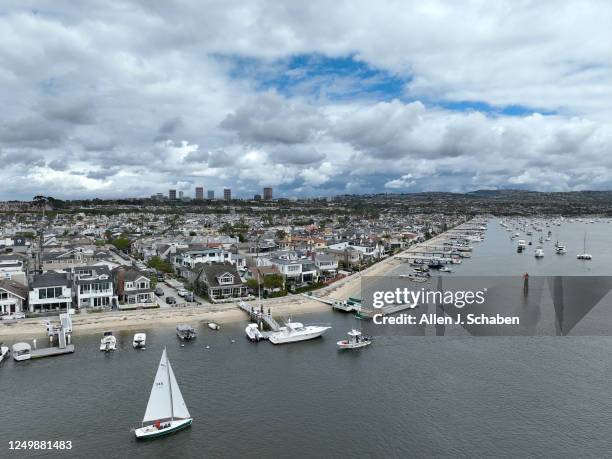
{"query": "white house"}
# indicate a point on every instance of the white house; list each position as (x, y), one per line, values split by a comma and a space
(94, 287)
(50, 291)
(13, 297)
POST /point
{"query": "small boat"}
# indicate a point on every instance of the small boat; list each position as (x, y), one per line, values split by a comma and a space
(166, 410)
(445, 269)
(356, 340)
(4, 352)
(213, 326)
(139, 341)
(185, 332)
(560, 249)
(253, 333)
(22, 351)
(108, 342)
(539, 252)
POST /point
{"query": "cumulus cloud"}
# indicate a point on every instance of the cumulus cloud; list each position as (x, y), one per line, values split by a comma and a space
(131, 98)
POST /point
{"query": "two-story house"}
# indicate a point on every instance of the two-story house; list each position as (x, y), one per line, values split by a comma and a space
(49, 292)
(13, 297)
(132, 286)
(94, 287)
(220, 281)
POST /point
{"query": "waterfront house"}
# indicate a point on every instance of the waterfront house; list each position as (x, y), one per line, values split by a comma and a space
(13, 297)
(50, 291)
(94, 287)
(133, 286)
(220, 281)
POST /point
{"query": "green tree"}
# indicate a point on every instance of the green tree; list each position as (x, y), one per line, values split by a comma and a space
(122, 243)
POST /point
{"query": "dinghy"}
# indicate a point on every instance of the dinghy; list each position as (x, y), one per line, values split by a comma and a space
(166, 411)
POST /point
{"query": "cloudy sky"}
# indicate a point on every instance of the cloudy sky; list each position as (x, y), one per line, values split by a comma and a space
(315, 98)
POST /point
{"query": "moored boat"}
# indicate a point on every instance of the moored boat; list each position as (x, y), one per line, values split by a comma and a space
(4, 352)
(185, 332)
(253, 333)
(22, 351)
(213, 326)
(295, 331)
(139, 341)
(108, 342)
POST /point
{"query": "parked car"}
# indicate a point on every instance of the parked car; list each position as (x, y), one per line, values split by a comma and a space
(159, 291)
(188, 297)
(170, 300)
(182, 292)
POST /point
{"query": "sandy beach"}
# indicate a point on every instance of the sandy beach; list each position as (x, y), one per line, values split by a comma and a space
(222, 313)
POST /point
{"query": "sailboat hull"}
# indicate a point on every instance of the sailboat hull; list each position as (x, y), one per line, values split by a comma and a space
(150, 432)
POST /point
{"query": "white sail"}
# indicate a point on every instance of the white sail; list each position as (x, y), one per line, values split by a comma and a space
(160, 400)
(178, 404)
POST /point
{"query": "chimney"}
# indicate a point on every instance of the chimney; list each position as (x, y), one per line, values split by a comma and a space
(120, 281)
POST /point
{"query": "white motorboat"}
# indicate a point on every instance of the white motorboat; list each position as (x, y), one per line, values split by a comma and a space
(539, 252)
(185, 332)
(253, 333)
(22, 351)
(356, 340)
(166, 410)
(4, 352)
(522, 243)
(213, 326)
(108, 342)
(560, 249)
(139, 341)
(445, 269)
(296, 331)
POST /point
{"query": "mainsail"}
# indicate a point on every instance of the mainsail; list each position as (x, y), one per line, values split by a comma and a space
(160, 400)
(179, 409)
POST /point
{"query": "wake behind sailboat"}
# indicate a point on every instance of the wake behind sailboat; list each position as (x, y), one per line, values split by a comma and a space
(166, 411)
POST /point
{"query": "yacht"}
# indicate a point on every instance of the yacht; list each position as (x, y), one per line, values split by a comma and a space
(108, 342)
(185, 332)
(539, 252)
(21, 351)
(296, 331)
(253, 333)
(139, 341)
(356, 340)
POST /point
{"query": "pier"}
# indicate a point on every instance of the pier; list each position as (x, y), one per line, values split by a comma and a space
(51, 351)
(259, 316)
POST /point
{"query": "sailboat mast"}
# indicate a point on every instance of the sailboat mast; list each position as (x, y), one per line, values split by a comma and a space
(170, 388)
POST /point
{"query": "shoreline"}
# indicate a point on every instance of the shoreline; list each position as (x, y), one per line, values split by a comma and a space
(89, 323)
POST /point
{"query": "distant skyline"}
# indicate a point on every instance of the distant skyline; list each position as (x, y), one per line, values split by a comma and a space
(128, 98)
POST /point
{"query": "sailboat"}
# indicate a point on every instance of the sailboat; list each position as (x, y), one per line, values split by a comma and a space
(584, 255)
(166, 411)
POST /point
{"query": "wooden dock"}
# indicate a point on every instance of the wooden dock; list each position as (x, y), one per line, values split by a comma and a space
(259, 315)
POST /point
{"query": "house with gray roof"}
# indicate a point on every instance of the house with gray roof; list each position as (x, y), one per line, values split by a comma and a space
(50, 291)
(13, 297)
(220, 281)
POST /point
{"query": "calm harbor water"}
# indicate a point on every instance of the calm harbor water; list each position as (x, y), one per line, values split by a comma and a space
(402, 396)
